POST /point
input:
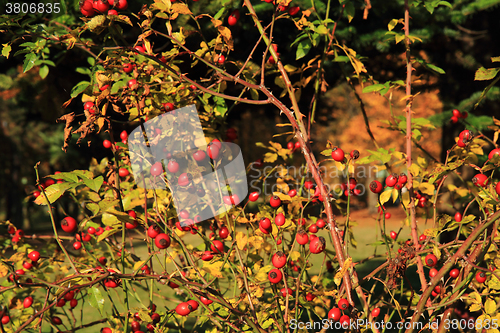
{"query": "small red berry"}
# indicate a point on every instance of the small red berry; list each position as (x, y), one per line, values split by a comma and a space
(34, 256)
(280, 219)
(213, 150)
(454, 273)
(183, 309)
(77, 245)
(206, 300)
(343, 304)
(279, 259)
(317, 245)
(394, 235)
(5, 320)
(458, 216)
(223, 232)
(430, 260)
(387, 215)
(433, 272)
(107, 144)
(480, 180)
(338, 154)
(345, 320)
(275, 275)
(275, 201)
(293, 10)
(172, 166)
(375, 312)
(132, 84)
(127, 68)
(28, 301)
(184, 179)
(480, 277)
(123, 172)
(68, 224)
(391, 180)
(302, 237)
(253, 196)
(217, 246)
(285, 291)
(292, 193)
(194, 304)
(494, 152)
(320, 223)
(234, 17)
(334, 314)
(162, 241)
(313, 228)
(56, 320)
(376, 186)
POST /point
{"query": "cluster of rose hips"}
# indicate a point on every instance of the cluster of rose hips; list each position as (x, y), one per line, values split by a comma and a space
(431, 261)
(34, 256)
(393, 180)
(90, 8)
(457, 114)
(17, 234)
(338, 313)
(136, 325)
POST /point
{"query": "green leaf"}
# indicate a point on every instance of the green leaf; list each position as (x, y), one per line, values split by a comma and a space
(495, 59)
(219, 13)
(79, 88)
(67, 176)
(6, 50)
(44, 71)
(321, 29)
(96, 299)
(303, 48)
(29, 62)
(93, 207)
(486, 73)
(94, 184)
(54, 192)
(349, 11)
(435, 68)
(373, 87)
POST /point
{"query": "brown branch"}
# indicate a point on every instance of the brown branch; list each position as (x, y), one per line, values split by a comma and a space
(408, 110)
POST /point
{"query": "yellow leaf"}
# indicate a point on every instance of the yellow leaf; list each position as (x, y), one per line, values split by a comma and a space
(180, 8)
(16, 257)
(214, 268)
(282, 185)
(138, 264)
(405, 197)
(385, 196)
(256, 242)
(490, 306)
(226, 34)
(414, 169)
(270, 157)
(427, 188)
(4, 270)
(340, 274)
(282, 196)
(320, 311)
(394, 195)
(295, 255)
(340, 166)
(332, 293)
(262, 274)
(431, 232)
(241, 240)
